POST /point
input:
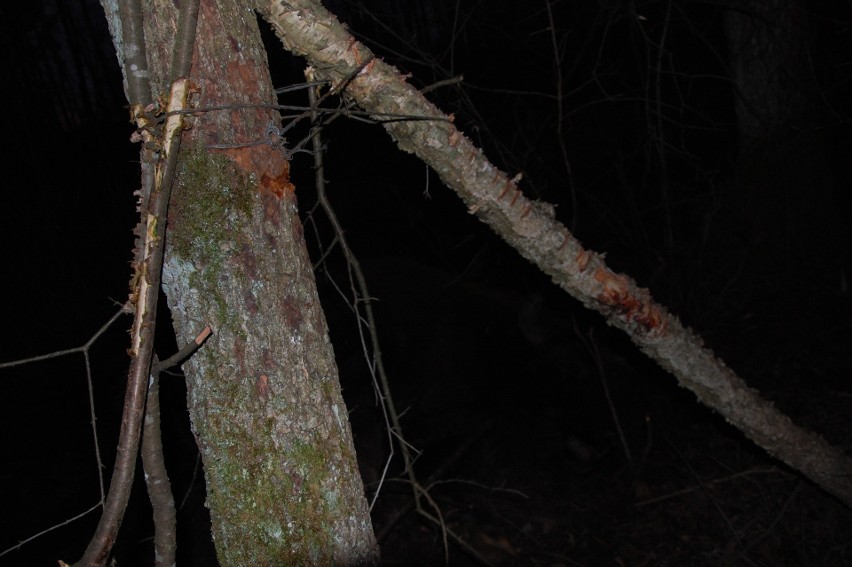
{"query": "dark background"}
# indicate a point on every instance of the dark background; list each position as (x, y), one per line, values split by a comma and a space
(509, 388)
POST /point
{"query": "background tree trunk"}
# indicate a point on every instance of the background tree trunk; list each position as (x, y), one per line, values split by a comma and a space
(784, 180)
(263, 394)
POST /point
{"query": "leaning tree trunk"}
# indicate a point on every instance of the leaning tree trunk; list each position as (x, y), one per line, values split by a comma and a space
(282, 481)
(307, 29)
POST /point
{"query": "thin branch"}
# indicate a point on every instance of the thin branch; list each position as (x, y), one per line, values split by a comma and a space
(185, 39)
(703, 485)
(94, 422)
(185, 352)
(50, 529)
(148, 266)
(592, 347)
(84, 349)
(195, 470)
(444, 83)
(381, 385)
(560, 117)
(56, 354)
(157, 477)
(135, 54)
(154, 464)
(469, 549)
(305, 111)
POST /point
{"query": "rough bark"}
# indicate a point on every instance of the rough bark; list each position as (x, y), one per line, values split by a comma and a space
(282, 481)
(309, 30)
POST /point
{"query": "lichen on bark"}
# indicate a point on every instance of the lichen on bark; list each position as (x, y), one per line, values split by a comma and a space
(263, 395)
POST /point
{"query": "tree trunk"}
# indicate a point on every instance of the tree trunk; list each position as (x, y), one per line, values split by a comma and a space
(767, 57)
(282, 481)
(782, 199)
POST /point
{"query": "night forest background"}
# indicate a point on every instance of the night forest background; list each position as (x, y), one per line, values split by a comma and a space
(549, 439)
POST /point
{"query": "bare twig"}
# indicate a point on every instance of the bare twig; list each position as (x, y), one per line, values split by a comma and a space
(705, 484)
(50, 529)
(184, 353)
(433, 479)
(376, 365)
(84, 349)
(56, 354)
(592, 347)
(440, 84)
(560, 116)
(381, 384)
(195, 470)
(469, 549)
